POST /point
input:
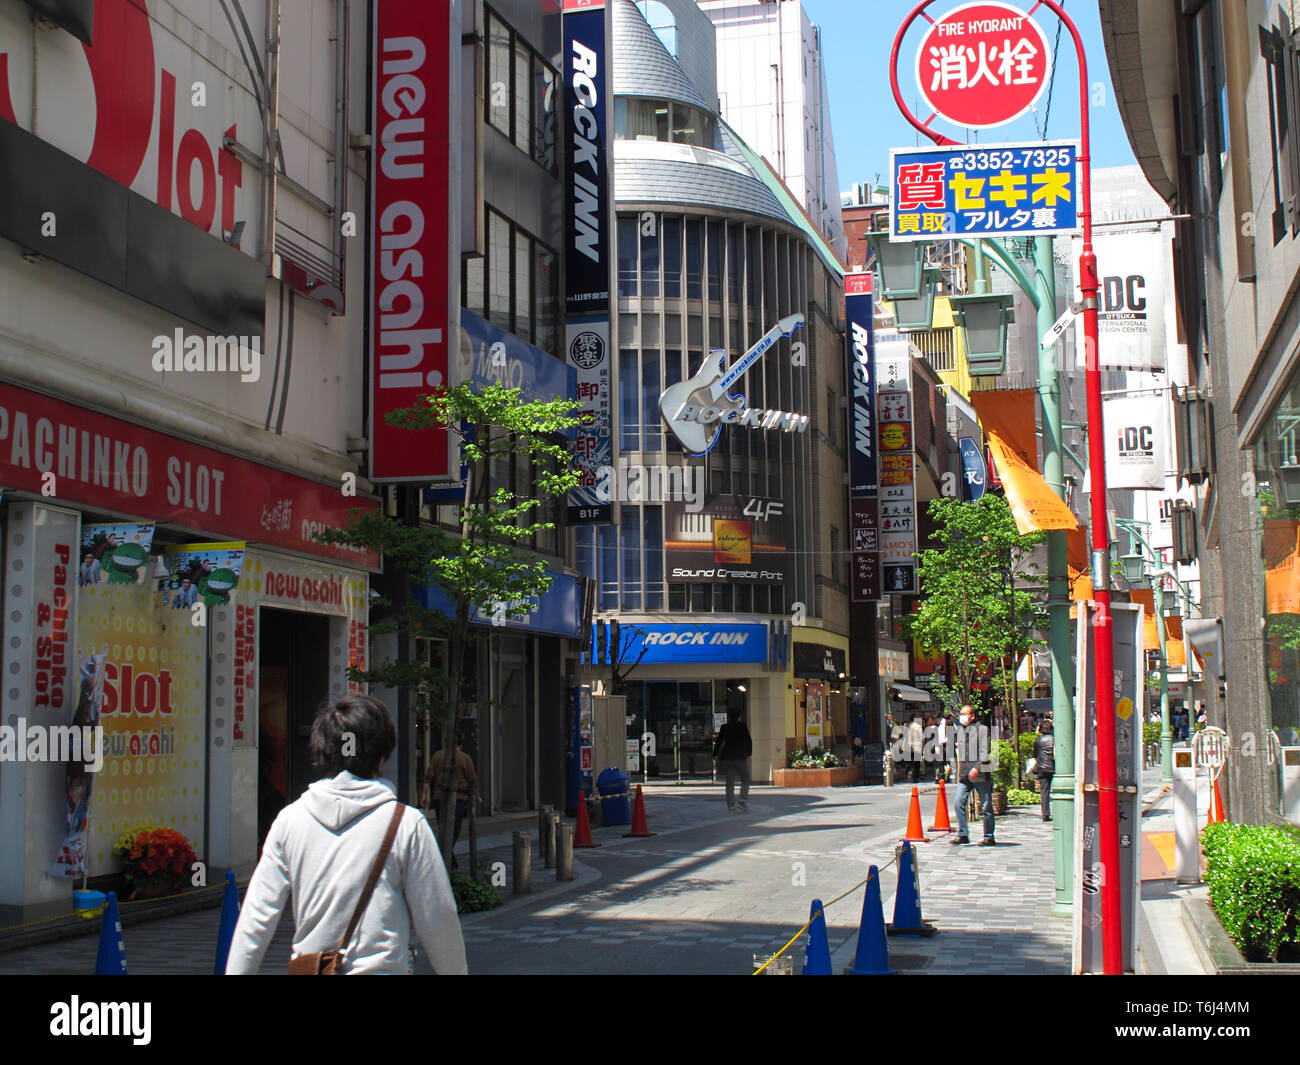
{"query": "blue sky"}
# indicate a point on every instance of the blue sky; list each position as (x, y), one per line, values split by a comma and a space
(857, 36)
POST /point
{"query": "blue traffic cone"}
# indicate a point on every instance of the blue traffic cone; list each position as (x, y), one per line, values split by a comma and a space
(817, 957)
(872, 958)
(226, 929)
(907, 900)
(111, 959)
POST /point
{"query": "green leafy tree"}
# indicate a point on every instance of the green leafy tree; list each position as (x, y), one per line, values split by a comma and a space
(968, 608)
(484, 570)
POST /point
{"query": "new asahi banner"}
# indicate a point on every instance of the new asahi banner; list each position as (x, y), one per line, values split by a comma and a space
(587, 198)
(1136, 430)
(415, 132)
(1132, 269)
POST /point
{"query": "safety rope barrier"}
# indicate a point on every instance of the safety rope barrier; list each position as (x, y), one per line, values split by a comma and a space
(825, 906)
(84, 915)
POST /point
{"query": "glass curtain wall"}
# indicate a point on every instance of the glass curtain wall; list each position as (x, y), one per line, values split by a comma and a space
(677, 273)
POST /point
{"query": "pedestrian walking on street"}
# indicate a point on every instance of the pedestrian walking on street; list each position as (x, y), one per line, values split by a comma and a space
(976, 775)
(466, 785)
(941, 745)
(916, 746)
(732, 749)
(321, 849)
(1045, 767)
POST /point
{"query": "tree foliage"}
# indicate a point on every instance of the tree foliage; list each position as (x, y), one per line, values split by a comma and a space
(483, 569)
(967, 608)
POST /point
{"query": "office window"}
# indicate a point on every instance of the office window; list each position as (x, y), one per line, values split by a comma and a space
(521, 88)
(694, 258)
(608, 560)
(744, 598)
(628, 406)
(672, 234)
(653, 519)
(714, 249)
(650, 263)
(677, 598)
(630, 532)
(547, 282)
(627, 255)
(498, 271)
(523, 286)
(701, 598)
(653, 439)
(761, 599)
(735, 264)
(693, 126)
(474, 291)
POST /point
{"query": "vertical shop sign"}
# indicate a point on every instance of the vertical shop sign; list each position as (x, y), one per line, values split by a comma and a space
(415, 130)
(864, 457)
(587, 196)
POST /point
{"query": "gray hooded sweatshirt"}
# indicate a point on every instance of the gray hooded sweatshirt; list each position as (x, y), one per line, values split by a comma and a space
(320, 850)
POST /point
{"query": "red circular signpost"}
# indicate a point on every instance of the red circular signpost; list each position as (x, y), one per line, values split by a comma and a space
(983, 64)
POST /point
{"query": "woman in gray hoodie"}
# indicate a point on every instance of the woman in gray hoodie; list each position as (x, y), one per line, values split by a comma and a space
(321, 848)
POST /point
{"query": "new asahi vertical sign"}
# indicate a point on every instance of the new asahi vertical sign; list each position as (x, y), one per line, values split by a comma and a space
(587, 196)
(415, 170)
(864, 464)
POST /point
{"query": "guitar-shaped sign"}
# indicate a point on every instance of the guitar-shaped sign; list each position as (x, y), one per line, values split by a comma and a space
(708, 390)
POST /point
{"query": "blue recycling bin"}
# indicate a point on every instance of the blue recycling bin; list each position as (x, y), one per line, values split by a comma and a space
(615, 807)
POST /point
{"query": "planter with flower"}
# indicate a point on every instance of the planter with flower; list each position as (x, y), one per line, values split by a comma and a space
(817, 768)
(157, 861)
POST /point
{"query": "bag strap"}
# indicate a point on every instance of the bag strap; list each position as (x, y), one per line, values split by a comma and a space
(375, 870)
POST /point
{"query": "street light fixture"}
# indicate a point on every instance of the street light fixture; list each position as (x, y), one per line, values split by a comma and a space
(917, 312)
(899, 264)
(983, 319)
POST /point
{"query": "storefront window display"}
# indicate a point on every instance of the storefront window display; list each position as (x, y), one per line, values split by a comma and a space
(683, 717)
(1277, 467)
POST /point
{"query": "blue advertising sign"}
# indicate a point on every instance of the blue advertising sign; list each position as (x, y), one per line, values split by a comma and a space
(860, 346)
(557, 612)
(974, 472)
(984, 191)
(687, 643)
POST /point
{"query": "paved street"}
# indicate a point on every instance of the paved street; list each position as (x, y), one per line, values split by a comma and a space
(711, 891)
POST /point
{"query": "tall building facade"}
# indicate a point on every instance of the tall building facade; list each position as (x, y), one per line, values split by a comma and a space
(1205, 91)
(772, 91)
(723, 581)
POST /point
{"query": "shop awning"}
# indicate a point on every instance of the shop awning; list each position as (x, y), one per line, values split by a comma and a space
(908, 694)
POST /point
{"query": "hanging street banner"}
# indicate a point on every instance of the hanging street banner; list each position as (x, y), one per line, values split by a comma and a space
(990, 190)
(1132, 269)
(983, 65)
(588, 196)
(864, 454)
(1034, 505)
(1136, 433)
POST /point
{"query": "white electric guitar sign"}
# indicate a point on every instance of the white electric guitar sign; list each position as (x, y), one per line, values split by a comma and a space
(695, 410)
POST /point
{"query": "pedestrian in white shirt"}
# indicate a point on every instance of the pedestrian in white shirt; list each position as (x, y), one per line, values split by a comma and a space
(321, 848)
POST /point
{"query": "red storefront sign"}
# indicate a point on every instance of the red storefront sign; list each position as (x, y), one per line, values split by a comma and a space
(71, 455)
(983, 65)
(411, 227)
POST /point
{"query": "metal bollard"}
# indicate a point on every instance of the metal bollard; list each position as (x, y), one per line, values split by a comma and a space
(546, 836)
(552, 832)
(523, 863)
(564, 852)
(543, 815)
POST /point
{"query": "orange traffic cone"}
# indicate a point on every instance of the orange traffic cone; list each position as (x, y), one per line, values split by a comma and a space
(915, 834)
(1216, 804)
(639, 827)
(941, 822)
(582, 833)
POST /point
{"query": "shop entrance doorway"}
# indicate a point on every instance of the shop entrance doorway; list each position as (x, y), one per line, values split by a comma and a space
(292, 683)
(683, 717)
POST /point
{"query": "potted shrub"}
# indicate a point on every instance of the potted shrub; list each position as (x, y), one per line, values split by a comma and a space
(1004, 776)
(158, 861)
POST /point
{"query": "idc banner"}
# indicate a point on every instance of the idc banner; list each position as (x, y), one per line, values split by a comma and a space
(1136, 441)
(1131, 268)
(416, 74)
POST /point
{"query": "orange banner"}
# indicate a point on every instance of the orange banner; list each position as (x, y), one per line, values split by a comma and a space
(1033, 504)
(1012, 415)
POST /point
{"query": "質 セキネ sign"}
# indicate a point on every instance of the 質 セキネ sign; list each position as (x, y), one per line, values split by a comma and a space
(985, 191)
(983, 65)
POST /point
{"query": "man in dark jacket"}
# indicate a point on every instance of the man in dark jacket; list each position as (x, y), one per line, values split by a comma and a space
(976, 774)
(1045, 767)
(732, 749)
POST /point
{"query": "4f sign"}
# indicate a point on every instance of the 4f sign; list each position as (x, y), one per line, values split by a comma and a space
(983, 65)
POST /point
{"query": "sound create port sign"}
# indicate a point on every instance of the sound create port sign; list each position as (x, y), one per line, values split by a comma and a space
(416, 80)
(983, 65)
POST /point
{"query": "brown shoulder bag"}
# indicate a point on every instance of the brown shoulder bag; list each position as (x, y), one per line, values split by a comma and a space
(329, 962)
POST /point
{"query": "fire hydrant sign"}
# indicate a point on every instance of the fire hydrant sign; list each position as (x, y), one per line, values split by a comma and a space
(989, 190)
(983, 65)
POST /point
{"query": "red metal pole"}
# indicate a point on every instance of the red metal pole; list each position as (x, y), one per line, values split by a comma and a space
(1103, 636)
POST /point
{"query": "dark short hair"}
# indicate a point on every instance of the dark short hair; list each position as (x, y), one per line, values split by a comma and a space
(363, 720)
(735, 714)
(1045, 728)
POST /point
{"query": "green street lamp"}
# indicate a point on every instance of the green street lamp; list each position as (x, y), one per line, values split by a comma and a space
(983, 319)
(917, 312)
(900, 265)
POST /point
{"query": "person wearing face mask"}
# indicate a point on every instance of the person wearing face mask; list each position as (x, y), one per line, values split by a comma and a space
(976, 775)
